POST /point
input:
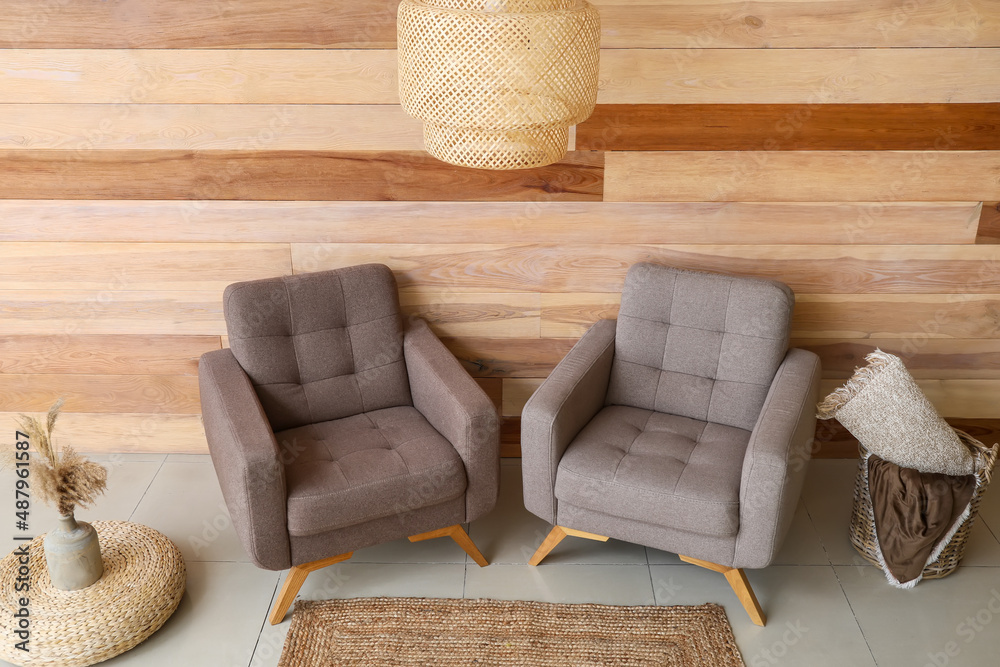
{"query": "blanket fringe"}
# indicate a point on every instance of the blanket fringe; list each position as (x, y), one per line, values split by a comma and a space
(877, 360)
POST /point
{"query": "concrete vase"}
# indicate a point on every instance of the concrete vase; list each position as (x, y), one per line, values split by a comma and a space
(73, 554)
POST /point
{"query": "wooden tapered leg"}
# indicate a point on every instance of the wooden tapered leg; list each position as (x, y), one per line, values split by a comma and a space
(741, 586)
(461, 537)
(556, 536)
(293, 582)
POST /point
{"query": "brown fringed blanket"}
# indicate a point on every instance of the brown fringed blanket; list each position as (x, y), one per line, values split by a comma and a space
(916, 513)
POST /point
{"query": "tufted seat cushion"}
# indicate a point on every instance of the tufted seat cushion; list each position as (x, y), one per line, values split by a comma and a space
(368, 466)
(657, 468)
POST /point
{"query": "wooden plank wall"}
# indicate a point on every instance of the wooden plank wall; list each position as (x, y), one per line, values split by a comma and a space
(153, 152)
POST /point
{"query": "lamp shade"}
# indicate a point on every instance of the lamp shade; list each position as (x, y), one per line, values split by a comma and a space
(498, 83)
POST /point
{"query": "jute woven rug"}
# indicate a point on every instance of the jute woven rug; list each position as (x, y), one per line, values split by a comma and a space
(412, 631)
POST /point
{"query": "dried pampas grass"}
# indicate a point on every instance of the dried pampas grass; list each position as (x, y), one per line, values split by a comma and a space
(62, 477)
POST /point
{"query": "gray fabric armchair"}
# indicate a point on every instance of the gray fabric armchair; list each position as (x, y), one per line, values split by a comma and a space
(685, 425)
(332, 427)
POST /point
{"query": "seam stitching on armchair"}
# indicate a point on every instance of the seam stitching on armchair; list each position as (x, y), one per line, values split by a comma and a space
(652, 491)
(631, 445)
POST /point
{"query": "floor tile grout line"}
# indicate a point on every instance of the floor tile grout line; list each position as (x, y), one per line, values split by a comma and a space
(856, 620)
(146, 490)
(263, 623)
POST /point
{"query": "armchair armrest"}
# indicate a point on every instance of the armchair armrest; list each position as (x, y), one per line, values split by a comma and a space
(776, 459)
(569, 398)
(246, 458)
(447, 396)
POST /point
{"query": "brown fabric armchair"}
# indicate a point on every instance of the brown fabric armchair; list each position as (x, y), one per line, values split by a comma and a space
(685, 426)
(332, 428)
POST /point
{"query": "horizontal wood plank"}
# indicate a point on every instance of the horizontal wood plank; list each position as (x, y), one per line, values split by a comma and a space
(493, 388)
(103, 432)
(509, 315)
(111, 268)
(81, 312)
(196, 76)
(509, 357)
(890, 223)
(931, 358)
(989, 223)
(813, 269)
(802, 176)
(833, 441)
(345, 127)
(285, 175)
(798, 127)
(798, 76)
(972, 399)
(915, 318)
(137, 24)
(115, 354)
(173, 394)
(516, 392)
(174, 24)
(627, 76)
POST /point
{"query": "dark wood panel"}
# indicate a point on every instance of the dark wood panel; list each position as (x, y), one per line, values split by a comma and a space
(165, 24)
(287, 175)
(833, 441)
(738, 127)
(989, 223)
(509, 357)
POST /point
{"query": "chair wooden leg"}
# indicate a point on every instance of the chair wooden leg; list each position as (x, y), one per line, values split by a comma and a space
(556, 536)
(461, 537)
(741, 586)
(293, 582)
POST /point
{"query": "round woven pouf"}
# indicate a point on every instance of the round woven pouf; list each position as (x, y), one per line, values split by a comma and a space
(142, 585)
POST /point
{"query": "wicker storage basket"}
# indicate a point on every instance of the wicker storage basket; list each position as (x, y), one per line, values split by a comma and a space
(863, 535)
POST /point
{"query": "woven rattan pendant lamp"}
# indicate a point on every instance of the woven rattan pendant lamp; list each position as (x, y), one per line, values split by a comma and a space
(498, 83)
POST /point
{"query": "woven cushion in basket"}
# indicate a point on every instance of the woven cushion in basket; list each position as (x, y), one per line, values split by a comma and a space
(885, 410)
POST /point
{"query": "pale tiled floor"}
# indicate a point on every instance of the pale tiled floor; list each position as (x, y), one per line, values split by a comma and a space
(825, 605)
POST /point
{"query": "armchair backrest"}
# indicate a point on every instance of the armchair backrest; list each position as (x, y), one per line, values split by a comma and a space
(320, 346)
(699, 345)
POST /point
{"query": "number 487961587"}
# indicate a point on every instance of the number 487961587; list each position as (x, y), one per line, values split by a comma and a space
(21, 494)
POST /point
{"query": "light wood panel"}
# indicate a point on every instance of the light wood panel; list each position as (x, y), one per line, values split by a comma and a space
(799, 76)
(79, 312)
(349, 127)
(650, 24)
(788, 223)
(924, 357)
(509, 357)
(627, 76)
(974, 399)
(916, 317)
(286, 175)
(116, 354)
(741, 127)
(137, 24)
(449, 313)
(601, 268)
(803, 176)
(110, 268)
(173, 394)
(516, 392)
(197, 76)
(95, 432)
(695, 24)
